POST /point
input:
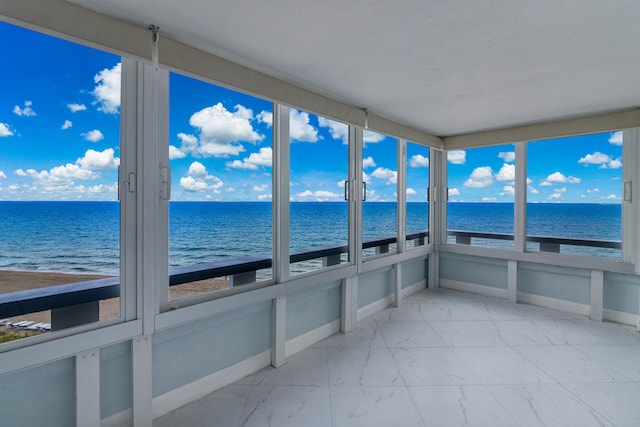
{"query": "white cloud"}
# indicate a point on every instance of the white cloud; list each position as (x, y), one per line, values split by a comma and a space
(198, 179)
(559, 178)
(3, 175)
(102, 188)
(265, 117)
(4, 130)
(508, 190)
(489, 199)
(197, 169)
(27, 111)
(480, 178)
(613, 164)
(533, 190)
(96, 160)
(507, 173)
(604, 160)
(384, 173)
(595, 190)
(325, 194)
(191, 184)
(66, 125)
(558, 194)
(76, 107)
(220, 131)
(93, 135)
(457, 157)
(264, 197)
(611, 197)
(176, 153)
(419, 161)
(596, 158)
(368, 163)
(70, 172)
(260, 188)
(372, 137)
(107, 90)
(615, 138)
(508, 156)
(337, 130)
(261, 158)
(454, 192)
(411, 192)
(366, 178)
(317, 195)
(299, 127)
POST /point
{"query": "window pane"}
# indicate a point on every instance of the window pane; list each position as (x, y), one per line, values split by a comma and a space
(481, 193)
(575, 189)
(59, 158)
(380, 208)
(417, 227)
(220, 213)
(319, 213)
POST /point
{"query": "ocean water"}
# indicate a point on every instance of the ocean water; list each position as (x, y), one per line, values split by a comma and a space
(84, 236)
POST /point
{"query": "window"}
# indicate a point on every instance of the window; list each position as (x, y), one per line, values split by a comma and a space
(417, 205)
(575, 195)
(319, 214)
(220, 215)
(380, 206)
(481, 185)
(59, 158)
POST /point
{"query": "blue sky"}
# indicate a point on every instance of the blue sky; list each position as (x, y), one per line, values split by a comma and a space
(59, 140)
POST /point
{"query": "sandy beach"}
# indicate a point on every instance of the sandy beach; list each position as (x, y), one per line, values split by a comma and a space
(14, 281)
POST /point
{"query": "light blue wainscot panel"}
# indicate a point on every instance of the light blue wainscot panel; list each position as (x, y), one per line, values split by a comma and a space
(40, 396)
(414, 271)
(374, 286)
(115, 379)
(622, 292)
(195, 350)
(312, 308)
(563, 283)
(473, 269)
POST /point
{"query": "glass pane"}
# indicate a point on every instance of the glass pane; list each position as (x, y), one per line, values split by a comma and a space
(319, 214)
(575, 195)
(480, 210)
(417, 226)
(220, 215)
(59, 158)
(380, 208)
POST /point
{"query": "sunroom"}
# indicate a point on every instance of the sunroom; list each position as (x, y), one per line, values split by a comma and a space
(319, 214)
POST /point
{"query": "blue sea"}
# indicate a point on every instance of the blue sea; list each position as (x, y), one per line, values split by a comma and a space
(83, 237)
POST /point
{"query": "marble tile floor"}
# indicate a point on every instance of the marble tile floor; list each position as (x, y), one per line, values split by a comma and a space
(444, 358)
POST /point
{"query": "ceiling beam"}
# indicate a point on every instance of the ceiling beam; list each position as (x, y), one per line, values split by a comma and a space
(585, 125)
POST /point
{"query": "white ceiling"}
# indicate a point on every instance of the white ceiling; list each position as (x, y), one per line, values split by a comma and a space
(445, 67)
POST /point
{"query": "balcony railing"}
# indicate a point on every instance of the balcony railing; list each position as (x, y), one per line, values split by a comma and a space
(78, 303)
(547, 243)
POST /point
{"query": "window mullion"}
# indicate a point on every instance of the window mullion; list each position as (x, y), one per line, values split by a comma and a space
(281, 176)
(520, 201)
(402, 194)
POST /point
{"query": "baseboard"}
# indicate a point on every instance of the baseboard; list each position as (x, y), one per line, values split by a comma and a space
(473, 288)
(195, 390)
(374, 308)
(620, 317)
(556, 304)
(121, 419)
(412, 289)
(307, 339)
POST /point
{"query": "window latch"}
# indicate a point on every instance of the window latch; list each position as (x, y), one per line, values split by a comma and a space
(626, 191)
(165, 182)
